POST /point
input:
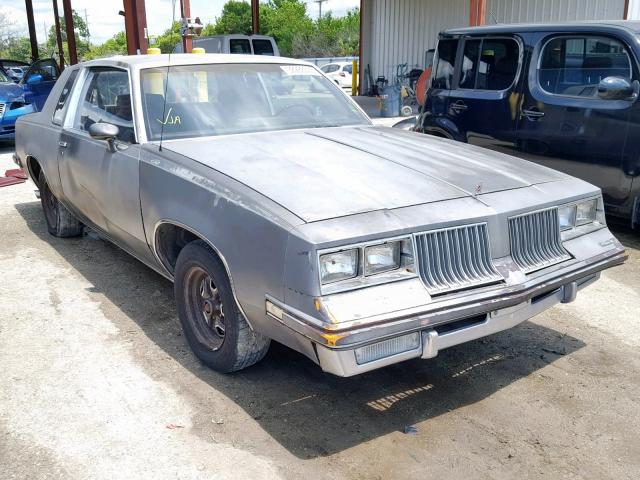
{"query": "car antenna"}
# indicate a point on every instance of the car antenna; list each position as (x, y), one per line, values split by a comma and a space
(166, 83)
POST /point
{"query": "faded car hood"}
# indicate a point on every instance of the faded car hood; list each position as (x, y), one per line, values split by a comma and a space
(9, 91)
(331, 172)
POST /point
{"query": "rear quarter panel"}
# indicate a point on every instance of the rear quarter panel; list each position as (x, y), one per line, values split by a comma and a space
(37, 139)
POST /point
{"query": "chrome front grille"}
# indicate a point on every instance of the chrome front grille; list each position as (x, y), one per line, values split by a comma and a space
(535, 240)
(1, 109)
(455, 258)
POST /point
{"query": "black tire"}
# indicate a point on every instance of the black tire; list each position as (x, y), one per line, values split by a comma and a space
(215, 329)
(60, 221)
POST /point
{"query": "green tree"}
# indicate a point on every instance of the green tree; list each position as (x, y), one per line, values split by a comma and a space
(286, 21)
(235, 18)
(81, 31)
(169, 39)
(116, 45)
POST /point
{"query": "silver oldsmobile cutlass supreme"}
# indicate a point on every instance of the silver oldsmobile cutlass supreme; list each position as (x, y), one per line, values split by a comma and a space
(280, 212)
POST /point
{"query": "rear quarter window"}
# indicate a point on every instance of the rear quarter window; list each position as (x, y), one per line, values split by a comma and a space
(574, 66)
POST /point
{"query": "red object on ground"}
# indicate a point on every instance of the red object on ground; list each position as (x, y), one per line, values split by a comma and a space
(13, 177)
(16, 172)
(421, 86)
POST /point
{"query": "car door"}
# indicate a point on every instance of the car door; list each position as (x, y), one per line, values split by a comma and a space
(486, 86)
(434, 117)
(39, 80)
(564, 123)
(101, 185)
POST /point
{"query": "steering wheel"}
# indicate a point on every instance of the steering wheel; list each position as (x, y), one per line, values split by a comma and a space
(294, 106)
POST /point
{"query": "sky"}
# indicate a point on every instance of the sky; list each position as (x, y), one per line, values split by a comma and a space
(104, 21)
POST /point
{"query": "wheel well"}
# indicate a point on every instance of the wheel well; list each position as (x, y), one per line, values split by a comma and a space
(169, 242)
(34, 169)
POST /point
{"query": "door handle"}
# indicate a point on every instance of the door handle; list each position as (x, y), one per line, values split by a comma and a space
(458, 107)
(62, 144)
(531, 114)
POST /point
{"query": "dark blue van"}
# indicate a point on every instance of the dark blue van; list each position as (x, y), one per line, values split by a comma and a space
(563, 95)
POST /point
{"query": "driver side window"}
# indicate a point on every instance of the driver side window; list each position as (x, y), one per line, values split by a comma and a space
(106, 98)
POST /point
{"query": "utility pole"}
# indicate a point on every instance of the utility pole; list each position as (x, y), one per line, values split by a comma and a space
(319, 2)
(86, 22)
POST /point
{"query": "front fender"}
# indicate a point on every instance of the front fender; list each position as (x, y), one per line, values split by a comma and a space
(249, 232)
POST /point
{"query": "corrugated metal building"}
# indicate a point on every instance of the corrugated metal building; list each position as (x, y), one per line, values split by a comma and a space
(400, 31)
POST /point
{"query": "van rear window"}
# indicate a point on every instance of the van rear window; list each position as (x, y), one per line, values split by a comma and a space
(574, 66)
(262, 47)
(239, 45)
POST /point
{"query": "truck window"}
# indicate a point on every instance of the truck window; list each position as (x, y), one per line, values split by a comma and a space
(574, 66)
(445, 62)
(262, 47)
(489, 64)
(239, 45)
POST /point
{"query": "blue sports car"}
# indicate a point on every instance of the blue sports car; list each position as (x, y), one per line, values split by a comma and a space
(27, 96)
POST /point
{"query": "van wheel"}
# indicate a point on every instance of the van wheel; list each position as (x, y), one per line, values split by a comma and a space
(215, 329)
(60, 221)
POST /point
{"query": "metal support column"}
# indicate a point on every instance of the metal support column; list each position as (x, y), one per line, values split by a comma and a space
(56, 18)
(255, 16)
(135, 25)
(32, 30)
(185, 11)
(477, 12)
(69, 28)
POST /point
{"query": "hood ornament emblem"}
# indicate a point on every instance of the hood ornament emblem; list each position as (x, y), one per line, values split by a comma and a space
(478, 190)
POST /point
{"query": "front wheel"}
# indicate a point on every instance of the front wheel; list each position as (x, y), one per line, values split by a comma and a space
(60, 221)
(215, 329)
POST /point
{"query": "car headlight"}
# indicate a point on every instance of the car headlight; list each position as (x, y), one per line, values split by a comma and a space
(381, 258)
(366, 264)
(338, 266)
(567, 217)
(580, 217)
(586, 212)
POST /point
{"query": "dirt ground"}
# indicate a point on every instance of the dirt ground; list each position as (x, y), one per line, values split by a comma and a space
(96, 381)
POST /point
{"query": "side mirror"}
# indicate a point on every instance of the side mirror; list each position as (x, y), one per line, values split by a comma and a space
(617, 88)
(34, 79)
(105, 131)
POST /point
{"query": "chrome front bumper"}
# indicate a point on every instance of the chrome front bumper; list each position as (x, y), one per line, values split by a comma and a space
(344, 363)
(451, 320)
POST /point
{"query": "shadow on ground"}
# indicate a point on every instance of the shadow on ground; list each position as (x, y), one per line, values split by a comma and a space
(308, 412)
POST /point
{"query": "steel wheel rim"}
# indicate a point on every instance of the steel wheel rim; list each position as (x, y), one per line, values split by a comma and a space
(205, 308)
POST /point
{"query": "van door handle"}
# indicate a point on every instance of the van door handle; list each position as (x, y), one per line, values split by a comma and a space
(62, 144)
(458, 107)
(531, 114)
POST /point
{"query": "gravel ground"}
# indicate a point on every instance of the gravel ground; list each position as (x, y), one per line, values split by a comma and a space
(96, 381)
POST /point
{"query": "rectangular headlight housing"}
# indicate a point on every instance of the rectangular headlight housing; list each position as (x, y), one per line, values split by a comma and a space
(586, 212)
(381, 258)
(567, 217)
(366, 264)
(338, 266)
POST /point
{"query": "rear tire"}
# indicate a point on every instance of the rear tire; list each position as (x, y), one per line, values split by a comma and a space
(60, 221)
(215, 329)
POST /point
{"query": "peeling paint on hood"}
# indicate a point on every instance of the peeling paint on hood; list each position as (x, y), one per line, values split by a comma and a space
(331, 172)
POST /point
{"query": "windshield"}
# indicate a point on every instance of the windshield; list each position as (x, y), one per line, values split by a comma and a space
(3, 78)
(222, 99)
